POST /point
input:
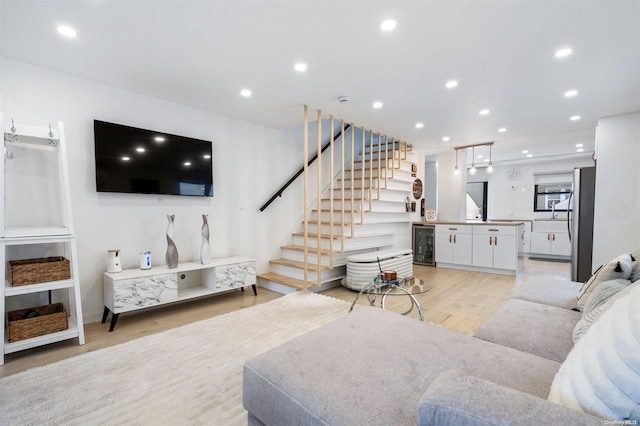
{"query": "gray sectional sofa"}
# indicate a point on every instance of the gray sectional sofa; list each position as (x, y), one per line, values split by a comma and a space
(374, 367)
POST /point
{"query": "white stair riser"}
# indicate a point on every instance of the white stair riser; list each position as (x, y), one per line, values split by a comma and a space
(339, 259)
(388, 194)
(377, 205)
(375, 184)
(369, 217)
(362, 230)
(349, 243)
(298, 273)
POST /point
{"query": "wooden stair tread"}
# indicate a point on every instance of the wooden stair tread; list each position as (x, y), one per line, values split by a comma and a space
(326, 222)
(310, 235)
(283, 279)
(297, 264)
(358, 212)
(309, 249)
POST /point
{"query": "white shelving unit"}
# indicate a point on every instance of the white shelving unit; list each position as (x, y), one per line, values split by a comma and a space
(51, 239)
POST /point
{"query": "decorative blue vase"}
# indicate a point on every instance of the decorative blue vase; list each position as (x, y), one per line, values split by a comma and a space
(172, 251)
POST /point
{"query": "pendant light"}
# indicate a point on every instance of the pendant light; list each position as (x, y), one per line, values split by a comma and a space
(473, 170)
(490, 167)
(456, 171)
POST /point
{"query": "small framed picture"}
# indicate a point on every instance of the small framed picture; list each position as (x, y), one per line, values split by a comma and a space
(430, 215)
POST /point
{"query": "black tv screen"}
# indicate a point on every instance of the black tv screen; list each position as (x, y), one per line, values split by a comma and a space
(139, 161)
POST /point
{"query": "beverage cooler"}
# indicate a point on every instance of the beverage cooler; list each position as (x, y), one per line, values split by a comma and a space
(423, 244)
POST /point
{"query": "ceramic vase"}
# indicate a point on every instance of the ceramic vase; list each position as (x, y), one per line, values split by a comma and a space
(205, 251)
(172, 251)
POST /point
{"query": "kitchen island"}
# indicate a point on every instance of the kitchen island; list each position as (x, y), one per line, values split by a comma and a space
(493, 247)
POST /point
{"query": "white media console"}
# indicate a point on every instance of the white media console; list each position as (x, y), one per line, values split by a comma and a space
(135, 289)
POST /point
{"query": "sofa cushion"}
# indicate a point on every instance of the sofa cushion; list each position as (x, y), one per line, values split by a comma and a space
(618, 268)
(601, 374)
(531, 327)
(595, 311)
(371, 367)
(487, 403)
(548, 291)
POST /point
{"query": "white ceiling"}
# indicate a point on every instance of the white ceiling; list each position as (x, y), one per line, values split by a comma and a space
(201, 53)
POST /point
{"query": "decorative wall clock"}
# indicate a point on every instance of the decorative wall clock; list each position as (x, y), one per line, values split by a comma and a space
(513, 174)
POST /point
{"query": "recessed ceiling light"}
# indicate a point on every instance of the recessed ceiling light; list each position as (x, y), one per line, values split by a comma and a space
(159, 139)
(419, 125)
(377, 104)
(575, 118)
(187, 163)
(300, 67)
(570, 93)
(484, 112)
(502, 129)
(388, 25)
(524, 151)
(579, 145)
(451, 84)
(125, 158)
(579, 150)
(245, 92)
(206, 156)
(67, 31)
(480, 156)
(529, 155)
(446, 138)
(140, 149)
(563, 53)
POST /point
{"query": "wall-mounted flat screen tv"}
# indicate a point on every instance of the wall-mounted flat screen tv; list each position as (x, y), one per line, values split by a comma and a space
(139, 161)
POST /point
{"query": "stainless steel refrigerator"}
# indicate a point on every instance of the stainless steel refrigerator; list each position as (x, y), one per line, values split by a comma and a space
(580, 222)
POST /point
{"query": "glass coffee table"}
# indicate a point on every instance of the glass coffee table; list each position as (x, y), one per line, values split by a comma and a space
(408, 287)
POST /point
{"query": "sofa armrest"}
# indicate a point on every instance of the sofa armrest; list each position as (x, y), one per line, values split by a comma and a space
(458, 398)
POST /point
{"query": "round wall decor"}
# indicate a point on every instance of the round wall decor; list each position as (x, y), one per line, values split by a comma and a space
(417, 189)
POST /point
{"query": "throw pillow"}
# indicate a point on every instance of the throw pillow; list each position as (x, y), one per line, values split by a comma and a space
(635, 270)
(618, 268)
(603, 292)
(601, 373)
(593, 309)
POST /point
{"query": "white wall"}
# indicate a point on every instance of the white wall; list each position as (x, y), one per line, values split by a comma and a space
(250, 163)
(512, 198)
(451, 188)
(617, 210)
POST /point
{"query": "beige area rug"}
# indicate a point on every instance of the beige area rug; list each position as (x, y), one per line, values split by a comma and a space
(191, 375)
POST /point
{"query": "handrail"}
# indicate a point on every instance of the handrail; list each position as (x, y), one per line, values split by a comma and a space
(301, 170)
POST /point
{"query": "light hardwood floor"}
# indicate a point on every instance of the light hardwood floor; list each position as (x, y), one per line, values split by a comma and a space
(458, 300)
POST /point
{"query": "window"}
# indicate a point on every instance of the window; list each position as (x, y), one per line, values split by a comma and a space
(552, 192)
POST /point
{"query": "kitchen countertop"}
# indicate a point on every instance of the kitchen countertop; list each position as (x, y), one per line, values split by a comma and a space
(471, 222)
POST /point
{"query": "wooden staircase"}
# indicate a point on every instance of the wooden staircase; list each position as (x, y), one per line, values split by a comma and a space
(372, 189)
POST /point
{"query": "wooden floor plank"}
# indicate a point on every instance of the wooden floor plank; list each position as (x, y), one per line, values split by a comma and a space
(459, 300)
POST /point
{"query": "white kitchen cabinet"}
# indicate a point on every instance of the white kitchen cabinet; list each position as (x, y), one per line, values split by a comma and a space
(454, 244)
(550, 238)
(496, 247)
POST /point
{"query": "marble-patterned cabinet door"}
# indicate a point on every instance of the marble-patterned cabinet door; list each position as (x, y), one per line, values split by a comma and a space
(134, 293)
(235, 275)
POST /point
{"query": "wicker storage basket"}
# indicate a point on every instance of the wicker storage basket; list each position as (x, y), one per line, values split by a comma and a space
(32, 271)
(51, 318)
